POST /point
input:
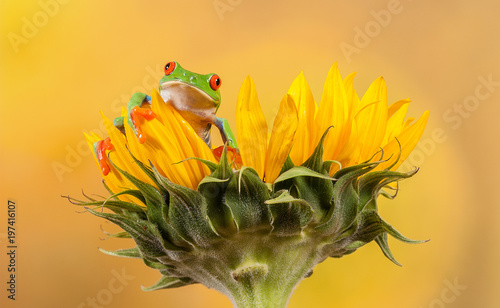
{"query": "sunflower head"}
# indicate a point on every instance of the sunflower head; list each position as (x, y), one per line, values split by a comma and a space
(280, 203)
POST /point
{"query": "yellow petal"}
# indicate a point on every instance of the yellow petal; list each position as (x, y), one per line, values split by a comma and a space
(167, 153)
(91, 139)
(408, 139)
(408, 122)
(396, 106)
(193, 146)
(159, 149)
(159, 106)
(185, 137)
(333, 110)
(120, 155)
(194, 142)
(395, 123)
(352, 97)
(115, 181)
(333, 101)
(173, 142)
(137, 149)
(251, 127)
(372, 119)
(349, 152)
(282, 136)
(305, 136)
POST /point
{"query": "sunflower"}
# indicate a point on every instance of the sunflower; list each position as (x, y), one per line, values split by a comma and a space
(282, 202)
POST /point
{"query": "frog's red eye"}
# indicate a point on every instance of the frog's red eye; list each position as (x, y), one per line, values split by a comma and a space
(169, 68)
(215, 82)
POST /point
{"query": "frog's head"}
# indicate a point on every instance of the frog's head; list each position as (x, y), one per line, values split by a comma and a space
(189, 91)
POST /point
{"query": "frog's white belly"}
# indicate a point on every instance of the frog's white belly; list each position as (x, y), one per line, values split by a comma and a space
(195, 106)
(188, 99)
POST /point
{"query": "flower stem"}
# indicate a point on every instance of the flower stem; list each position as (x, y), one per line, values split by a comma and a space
(263, 278)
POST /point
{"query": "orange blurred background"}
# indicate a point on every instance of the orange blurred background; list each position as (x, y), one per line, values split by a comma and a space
(62, 62)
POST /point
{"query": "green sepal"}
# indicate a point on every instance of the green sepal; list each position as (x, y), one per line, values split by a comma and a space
(117, 206)
(399, 155)
(149, 192)
(245, 196)
(289, 215)
(328, 164)
(210, 164)
(156, 265)
(131, 192)
(155, 202)
(167, 282)
(395, 234)
(172, 235)
(150, 173)
(315, 161)
(124, 253)
(371, 184)
(223, 170)
(345, 199)
(301, 171)
(213, 189)
(277, 186)
(314, 187)
(283, 196)
(123, 234)
(145, 234)
(211, 179)
(287, 165)
(368, 166)
(313, 182)
(381, 240)
(108, 189)
(355, 245)
(186, 214)
(364, 230)
(368, 226)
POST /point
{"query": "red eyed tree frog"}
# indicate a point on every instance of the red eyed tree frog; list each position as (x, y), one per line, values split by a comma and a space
(196, 97)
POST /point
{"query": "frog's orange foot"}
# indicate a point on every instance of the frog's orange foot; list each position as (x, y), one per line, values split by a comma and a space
(102, 146)
(233, 154)
(147, 114)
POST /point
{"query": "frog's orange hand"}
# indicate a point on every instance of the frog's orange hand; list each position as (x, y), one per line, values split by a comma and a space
(100, 148)
(233, 154)
(147, 114)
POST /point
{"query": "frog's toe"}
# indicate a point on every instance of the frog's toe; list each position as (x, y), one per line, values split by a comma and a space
(119, 124)
(100, 148)
(147, 114)
(233, 154)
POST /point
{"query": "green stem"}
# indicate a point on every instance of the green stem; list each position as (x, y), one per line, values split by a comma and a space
(253, 271)
(255, 292)
(265, 279)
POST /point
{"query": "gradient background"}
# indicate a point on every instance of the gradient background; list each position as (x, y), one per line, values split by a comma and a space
(92, 55)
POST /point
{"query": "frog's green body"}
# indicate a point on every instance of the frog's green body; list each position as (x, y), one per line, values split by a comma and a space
(196, 97)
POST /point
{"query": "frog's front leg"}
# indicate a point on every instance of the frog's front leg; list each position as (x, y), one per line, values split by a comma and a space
(134, 109)
(226, 132)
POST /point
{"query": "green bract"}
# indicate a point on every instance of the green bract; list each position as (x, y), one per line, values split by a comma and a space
(250, 240)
